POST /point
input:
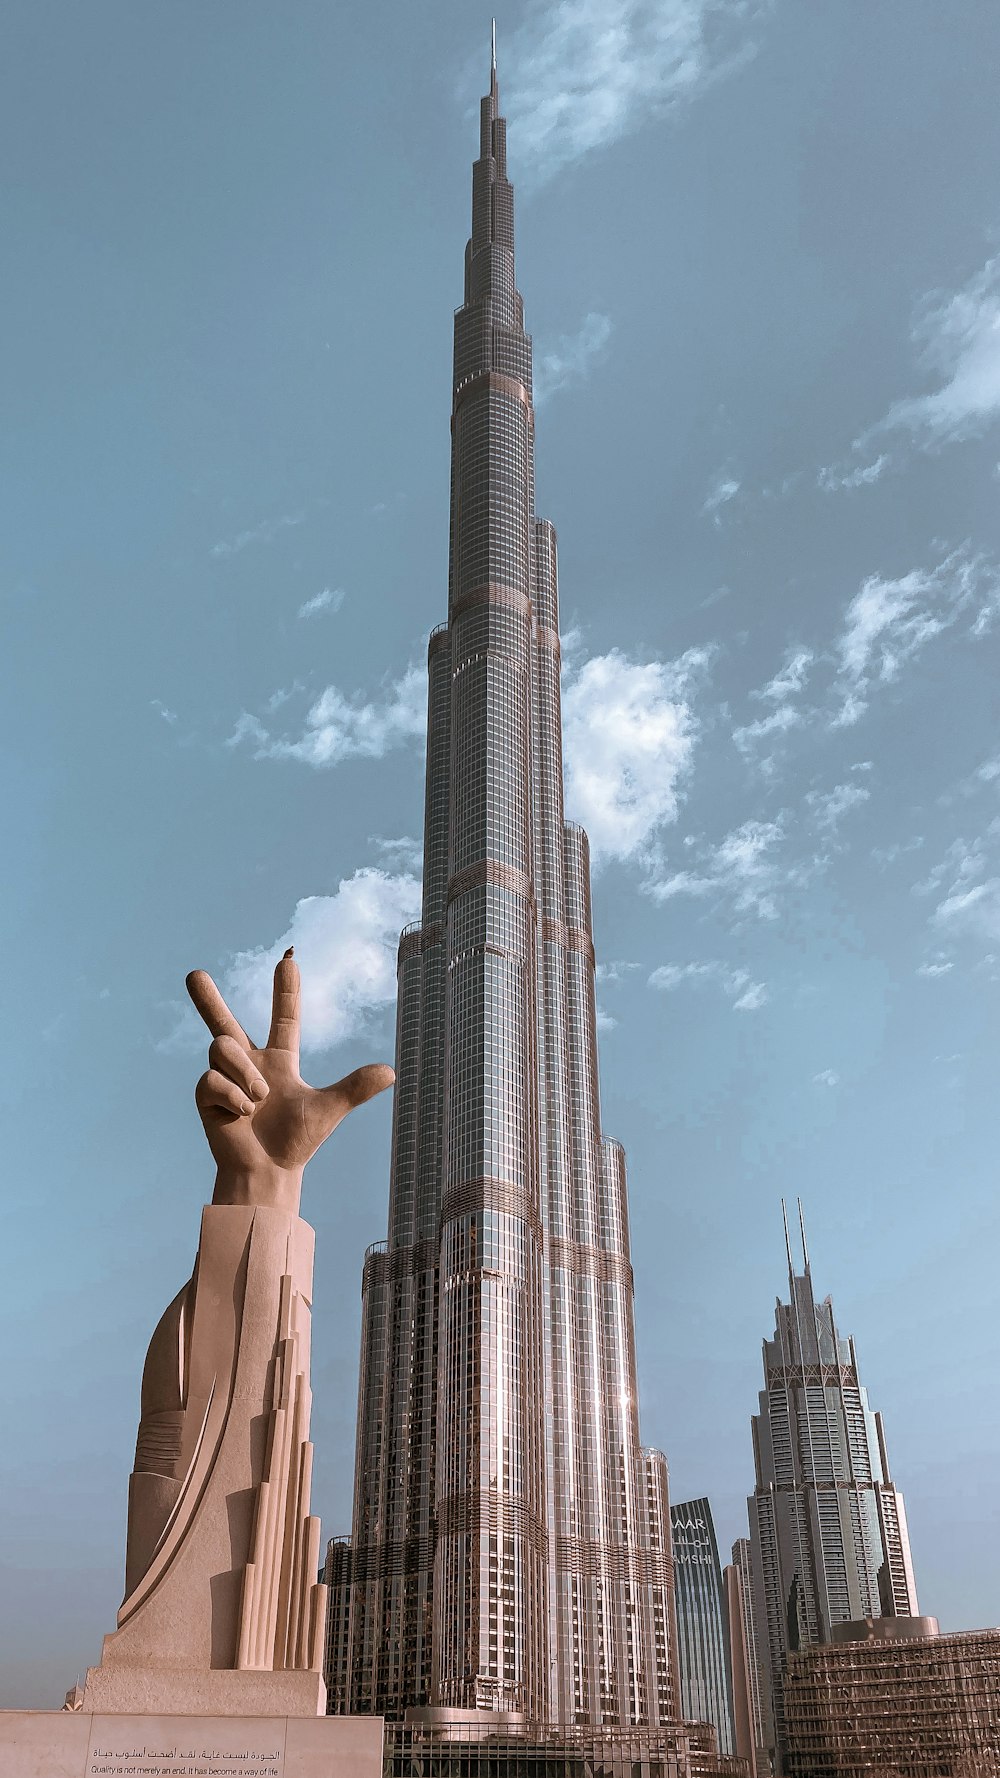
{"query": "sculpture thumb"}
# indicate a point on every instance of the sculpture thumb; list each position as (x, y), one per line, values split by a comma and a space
(358, 1087)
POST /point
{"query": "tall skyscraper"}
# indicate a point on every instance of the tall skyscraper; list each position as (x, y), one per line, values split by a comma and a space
(702, 1630)
(827, 1526)
(749, 1731)
(511, 1538)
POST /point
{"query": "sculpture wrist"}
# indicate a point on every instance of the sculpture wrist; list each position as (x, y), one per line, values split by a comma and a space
(270, 1184)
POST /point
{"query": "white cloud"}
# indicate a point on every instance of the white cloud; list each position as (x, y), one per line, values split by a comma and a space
(969, 876)
(828, 807)
(886, 855)
(339, 727)
(786, 684)
(745, 994)
(937, 966)
(753, 996)
(963, 862)
(629, 736)
(402, 854)
(790, 678)
(330, 599)
(161, 710)
(723, 489)
(888, 622)
(615, 970)
(265, 532)
(570, 359)
(975, 910)
(345, 946)
(743, 869)
(833, 480)
(959, 337)
(580, 74)
(827, 1077)
(750, 734)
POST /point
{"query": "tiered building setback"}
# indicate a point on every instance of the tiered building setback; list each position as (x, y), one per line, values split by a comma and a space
(510, 1550)
(828, 1527)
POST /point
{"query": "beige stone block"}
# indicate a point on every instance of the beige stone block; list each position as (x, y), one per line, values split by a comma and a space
(43, 1743)
(218, 1691)
(78, 1744)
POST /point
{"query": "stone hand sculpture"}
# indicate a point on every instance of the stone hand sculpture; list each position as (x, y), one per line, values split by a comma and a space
(262, 1122)
(222, 1609)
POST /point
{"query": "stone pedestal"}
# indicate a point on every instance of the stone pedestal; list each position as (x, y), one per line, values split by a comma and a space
(224, 1613)
(79, 1744)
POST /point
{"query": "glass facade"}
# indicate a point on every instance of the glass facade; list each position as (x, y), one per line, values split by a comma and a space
(828, 1528)
(510, 1549)
(702, 1629)
(685, 1750)
(918, 1704)
(751, 1737)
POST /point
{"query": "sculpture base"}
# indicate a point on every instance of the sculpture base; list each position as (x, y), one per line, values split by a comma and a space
(214, 1691)
(77, 1744)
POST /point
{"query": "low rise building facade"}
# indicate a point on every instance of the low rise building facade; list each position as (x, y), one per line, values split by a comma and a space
(893, 1696)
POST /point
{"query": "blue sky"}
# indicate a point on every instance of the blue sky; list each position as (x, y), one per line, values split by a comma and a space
(760, 252)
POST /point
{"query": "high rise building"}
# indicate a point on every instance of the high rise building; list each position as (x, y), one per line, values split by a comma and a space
(510, 1549)
(702, 1630)
(749, 1732)
(828, 1528)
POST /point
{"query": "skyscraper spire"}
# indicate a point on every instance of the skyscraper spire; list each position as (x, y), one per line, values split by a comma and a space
(511, 1540)
(802, 1232)
(788, 1242)
(827, 1526)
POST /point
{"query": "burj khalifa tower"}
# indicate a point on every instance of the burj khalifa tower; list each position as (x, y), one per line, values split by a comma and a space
(510, 1550)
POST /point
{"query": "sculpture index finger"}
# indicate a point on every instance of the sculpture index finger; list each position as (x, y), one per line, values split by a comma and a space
(284, 1032)
(214, 1010)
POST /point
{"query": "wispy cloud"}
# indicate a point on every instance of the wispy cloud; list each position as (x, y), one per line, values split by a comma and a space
(827, 1077)
(345, 945)
(790, 678)
(402, 854)
(330, 599)
(886, 625)
(581, 74)
(966, 885)
(888, 622)
(616, 970)
(935, 966)
(989, 771)
(265, 532)
(724, 489)
(630, 734)
(161, 710)
(827, 808)
(570, 359)
(737, 984)
(884, 856)
(958, 334)
(974, 910)
(834, 479)
(340, 726)
(786, 685)
(745, 869)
